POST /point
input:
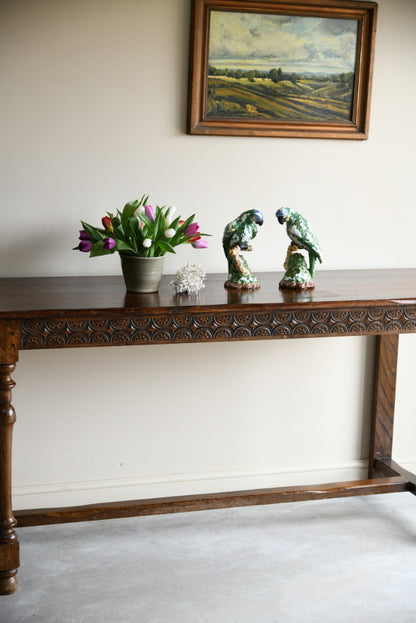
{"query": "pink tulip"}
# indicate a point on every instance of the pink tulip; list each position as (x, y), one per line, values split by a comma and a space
(192, 229)
(150, 213)
(199, 244)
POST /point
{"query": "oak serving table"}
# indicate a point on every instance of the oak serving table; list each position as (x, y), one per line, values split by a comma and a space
(77, 312)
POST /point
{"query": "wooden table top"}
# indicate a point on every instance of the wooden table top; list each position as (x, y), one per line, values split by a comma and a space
(29, 297)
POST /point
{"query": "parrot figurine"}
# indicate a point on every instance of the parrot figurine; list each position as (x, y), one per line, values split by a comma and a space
(237, 237)
(302, 236)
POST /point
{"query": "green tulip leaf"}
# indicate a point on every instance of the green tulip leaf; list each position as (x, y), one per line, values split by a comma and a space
(166, 247)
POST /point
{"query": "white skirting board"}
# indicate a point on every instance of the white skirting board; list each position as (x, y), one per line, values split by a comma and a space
(165, 485)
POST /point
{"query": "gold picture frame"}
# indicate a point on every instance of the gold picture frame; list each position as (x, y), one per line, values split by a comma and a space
(281, 68)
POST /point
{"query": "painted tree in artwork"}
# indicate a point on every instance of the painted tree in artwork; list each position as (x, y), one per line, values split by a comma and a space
(276, 75)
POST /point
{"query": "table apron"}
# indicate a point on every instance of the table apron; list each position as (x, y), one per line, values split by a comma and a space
(183, 326)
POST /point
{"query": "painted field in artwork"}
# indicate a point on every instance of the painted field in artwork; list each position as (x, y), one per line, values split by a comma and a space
(267, 66)
(306, 99)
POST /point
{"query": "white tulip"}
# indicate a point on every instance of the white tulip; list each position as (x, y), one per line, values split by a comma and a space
(169, 215)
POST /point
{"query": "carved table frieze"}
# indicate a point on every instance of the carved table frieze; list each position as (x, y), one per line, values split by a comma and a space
(206, 326)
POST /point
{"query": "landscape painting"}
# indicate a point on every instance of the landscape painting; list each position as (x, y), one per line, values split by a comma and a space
(295, 68)
(280, 67)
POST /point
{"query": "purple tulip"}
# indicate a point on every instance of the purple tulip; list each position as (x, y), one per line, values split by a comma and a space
(109, 243)
(150, 213)
(192, 229)
(83, 235)
(85, 246)
(200, 244)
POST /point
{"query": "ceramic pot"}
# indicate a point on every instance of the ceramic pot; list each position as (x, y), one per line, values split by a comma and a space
(142, 274)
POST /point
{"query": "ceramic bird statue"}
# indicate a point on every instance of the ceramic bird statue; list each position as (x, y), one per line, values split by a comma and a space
(237, 237)
(302, 236)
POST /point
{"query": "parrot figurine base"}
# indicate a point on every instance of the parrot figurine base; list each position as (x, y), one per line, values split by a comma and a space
(240, 276)
(241, 286)
(297, 275)
(236, 285)
(237, 237)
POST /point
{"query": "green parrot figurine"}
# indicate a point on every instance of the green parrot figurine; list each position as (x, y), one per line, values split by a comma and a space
(302, 236)
(237, 237)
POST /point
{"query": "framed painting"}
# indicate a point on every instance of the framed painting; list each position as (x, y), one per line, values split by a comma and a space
(282, 68)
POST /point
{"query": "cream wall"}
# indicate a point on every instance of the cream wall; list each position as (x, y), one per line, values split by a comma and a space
(93, 112)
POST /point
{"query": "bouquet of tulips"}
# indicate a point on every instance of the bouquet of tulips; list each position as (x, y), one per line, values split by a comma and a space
(140, 230)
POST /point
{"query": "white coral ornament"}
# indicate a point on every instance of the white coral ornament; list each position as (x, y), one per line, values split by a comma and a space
(189, 279)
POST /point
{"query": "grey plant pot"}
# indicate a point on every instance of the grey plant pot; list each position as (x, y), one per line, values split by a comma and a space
(142, 274)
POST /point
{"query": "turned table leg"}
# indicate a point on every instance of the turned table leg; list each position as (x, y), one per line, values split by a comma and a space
(9, 544)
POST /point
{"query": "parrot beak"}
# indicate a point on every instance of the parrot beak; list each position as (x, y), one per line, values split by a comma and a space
(258, 217)
(282, 215)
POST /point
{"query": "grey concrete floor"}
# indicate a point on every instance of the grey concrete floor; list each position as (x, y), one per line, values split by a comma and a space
(335, 561)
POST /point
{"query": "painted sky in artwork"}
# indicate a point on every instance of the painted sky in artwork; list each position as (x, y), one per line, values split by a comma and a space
(296, 44)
